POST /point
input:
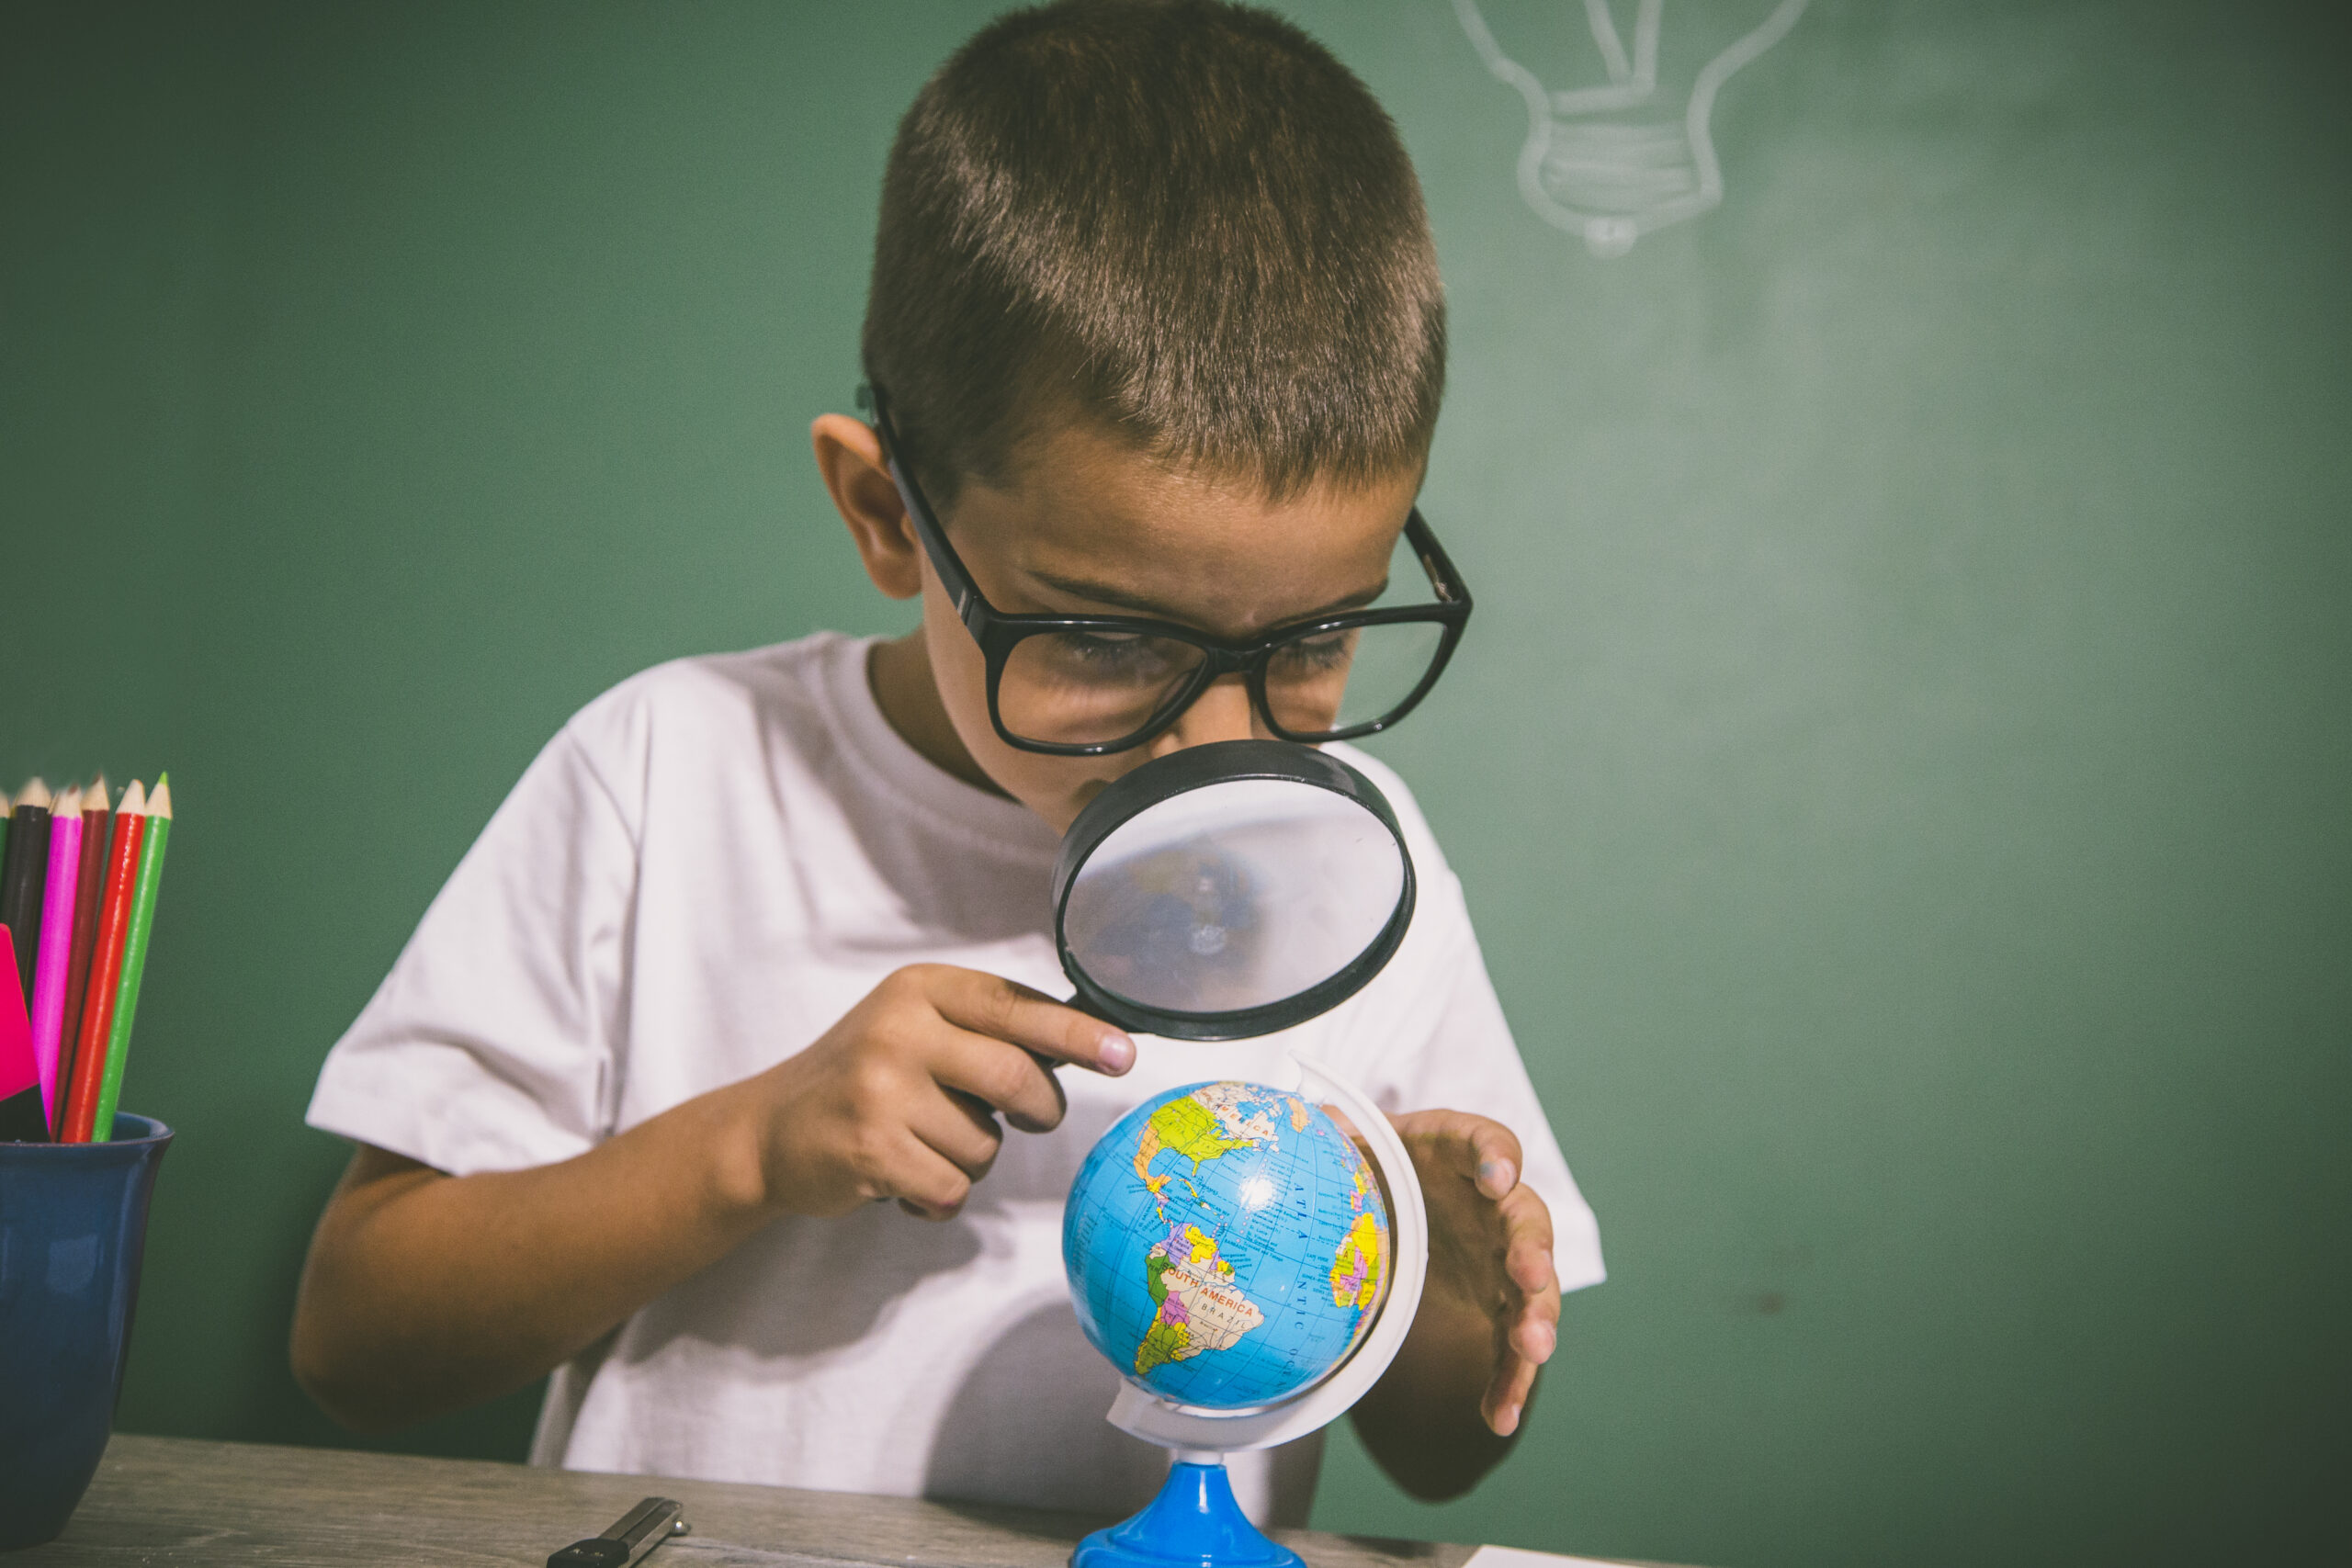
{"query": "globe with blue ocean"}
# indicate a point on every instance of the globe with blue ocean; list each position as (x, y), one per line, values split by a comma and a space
(1227, 1243)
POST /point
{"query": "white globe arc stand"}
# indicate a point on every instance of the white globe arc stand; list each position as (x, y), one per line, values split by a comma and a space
(1195, 1521)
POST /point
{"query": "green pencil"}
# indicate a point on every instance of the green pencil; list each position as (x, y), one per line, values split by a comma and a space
(134, 956)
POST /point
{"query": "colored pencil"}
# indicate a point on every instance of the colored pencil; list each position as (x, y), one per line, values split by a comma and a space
(22, 874)
(106, 966)
(89, 886)
(20, 1075)
(134, 958)
(59, 886)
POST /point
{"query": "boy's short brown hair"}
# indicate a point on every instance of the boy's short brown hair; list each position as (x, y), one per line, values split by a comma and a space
(1182, 219)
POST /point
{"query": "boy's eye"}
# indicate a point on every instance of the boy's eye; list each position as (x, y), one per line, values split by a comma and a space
(1097, 644)
(1085, 687)
(1320, 654)
(1109, 651)
(1127, 658)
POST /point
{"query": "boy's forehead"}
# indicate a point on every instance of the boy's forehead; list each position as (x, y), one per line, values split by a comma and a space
(1087, 520)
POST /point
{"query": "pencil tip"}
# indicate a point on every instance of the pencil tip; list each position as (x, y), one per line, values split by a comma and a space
(160, 803)
(68, 802)
(34, 794)
(134, 801)
(96, 798)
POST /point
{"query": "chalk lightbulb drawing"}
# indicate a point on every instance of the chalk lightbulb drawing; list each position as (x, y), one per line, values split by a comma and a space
(1612, 163)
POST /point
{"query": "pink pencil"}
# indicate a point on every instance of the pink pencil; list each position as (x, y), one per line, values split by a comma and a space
(55, 955)
(20, 1120)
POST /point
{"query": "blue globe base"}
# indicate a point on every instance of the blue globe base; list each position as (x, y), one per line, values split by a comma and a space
(1193, 1523)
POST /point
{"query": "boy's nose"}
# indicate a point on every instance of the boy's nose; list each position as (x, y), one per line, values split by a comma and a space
(1221, 713)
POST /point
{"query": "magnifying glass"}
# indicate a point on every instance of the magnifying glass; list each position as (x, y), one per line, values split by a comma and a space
(1229, 890)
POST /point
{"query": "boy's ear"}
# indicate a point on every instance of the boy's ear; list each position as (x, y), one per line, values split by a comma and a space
(849, 456)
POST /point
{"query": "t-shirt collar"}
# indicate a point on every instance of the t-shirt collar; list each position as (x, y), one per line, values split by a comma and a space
(978, 817)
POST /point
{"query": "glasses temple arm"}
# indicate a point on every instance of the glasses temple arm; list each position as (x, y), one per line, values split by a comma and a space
(1443, 576)
(970, 607)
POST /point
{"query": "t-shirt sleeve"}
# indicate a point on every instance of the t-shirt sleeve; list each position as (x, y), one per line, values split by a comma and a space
(492, 1043)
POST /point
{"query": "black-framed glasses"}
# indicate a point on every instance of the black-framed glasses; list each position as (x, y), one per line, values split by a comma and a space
(1085, 685)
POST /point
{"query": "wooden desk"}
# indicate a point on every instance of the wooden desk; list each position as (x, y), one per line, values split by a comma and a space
(174, 1501)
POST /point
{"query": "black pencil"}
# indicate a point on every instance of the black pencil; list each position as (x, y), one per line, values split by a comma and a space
(23, 876)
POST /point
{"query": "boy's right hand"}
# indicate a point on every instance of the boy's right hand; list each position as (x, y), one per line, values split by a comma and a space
(901, 1099)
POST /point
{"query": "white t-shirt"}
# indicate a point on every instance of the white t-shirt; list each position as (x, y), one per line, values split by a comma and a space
(706, 868)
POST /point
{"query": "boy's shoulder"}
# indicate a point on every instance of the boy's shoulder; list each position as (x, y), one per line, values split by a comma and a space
(784, 682)
(713, 712)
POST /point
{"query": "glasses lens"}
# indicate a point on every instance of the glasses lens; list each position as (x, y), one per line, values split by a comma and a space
(1324, 682)
(1080, 688)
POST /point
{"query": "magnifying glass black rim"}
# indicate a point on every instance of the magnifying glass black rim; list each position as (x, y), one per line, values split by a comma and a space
(1178, 772)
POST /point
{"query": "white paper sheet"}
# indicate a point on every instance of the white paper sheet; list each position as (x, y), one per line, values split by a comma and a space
(1516, 1557)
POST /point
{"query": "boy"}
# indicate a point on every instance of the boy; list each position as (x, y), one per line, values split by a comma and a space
(761, 939)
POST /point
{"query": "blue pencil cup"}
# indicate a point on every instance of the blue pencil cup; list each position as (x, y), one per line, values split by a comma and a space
(72, 1225)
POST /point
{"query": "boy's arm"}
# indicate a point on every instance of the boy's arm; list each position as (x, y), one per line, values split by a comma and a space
(425, 1292)
(1446, 1410)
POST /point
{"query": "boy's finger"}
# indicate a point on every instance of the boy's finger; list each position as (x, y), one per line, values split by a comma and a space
(996, 1007)
(926, 1183)
(1527, 1241)
(1506, 1398)
(1498, 1156)
(1530, 1268)
(961, 1130)
(1534, 1323)
(1537, 1333)
(1484, 1151)
(1016, 1081)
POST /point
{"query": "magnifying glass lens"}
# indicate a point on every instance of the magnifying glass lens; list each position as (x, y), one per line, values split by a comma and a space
(1237, 904)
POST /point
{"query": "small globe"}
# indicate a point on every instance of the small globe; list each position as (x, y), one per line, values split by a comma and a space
(1227, 1244)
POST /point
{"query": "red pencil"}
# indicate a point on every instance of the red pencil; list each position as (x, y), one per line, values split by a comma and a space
(106, 969)
(94, 818)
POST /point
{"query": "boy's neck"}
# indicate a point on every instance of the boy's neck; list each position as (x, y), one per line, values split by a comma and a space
(899, 673)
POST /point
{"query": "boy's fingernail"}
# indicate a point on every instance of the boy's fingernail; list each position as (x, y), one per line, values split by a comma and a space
(1497, 1176)
(1117, 1054)
(1507, 1421)
(1547, 1339)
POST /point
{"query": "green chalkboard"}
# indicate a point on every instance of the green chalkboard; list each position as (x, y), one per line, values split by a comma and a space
(1900, 766)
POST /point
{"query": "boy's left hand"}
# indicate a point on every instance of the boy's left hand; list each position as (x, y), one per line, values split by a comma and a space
(1490, 1250)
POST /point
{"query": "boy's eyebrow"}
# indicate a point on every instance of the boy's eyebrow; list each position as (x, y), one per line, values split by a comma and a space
(1107, 594)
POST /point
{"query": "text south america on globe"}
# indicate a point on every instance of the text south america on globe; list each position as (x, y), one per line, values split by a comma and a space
(1227, 1244)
